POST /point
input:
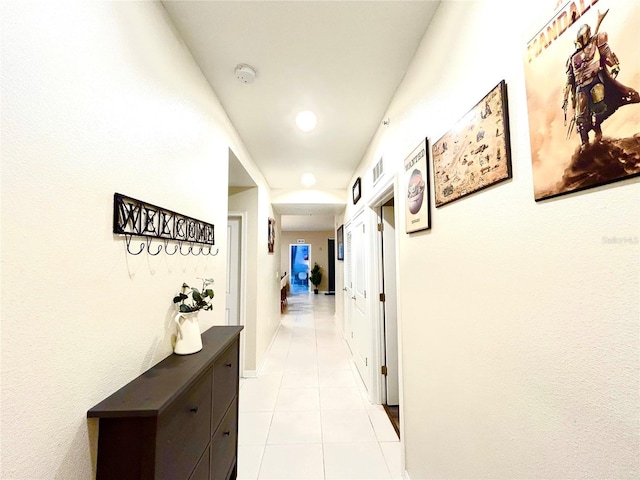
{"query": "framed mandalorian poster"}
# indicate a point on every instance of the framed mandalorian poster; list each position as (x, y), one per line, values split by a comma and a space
(582, 74)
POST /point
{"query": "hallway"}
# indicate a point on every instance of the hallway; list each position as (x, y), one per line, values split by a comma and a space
(307, 415)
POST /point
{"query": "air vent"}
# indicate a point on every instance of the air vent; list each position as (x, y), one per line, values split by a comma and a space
(378, 171)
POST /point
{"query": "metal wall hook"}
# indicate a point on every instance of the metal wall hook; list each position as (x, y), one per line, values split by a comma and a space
(166, 248)
(149, 248)
(183, 253)
(209, 251)
(128, 244)
(192, 249)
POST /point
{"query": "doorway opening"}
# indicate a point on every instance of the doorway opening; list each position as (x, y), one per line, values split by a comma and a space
(299, 268)
(390, 383)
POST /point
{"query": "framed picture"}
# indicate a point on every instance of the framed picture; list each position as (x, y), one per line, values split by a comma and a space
(476, 153)
(272, 235)
(416, 183)
(582, 76)
(340, 238)
(355, 191)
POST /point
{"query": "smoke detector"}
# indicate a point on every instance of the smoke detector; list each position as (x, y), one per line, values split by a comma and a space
(245, 73)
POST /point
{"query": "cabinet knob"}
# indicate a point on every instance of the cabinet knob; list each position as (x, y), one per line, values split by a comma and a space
(193, 409)
(229, 365)
(226, 434)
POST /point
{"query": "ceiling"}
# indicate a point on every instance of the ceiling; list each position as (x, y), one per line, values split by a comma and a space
(341, 59)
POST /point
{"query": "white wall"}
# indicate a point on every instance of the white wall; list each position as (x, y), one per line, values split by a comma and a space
(519, 324)
(97, 98)
(246, 200)
(268, 277)
(262, 305)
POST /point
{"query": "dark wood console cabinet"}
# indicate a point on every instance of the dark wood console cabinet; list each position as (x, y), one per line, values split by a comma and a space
(178, 420)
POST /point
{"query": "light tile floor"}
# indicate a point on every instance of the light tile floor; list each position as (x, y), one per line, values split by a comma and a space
(307, 415)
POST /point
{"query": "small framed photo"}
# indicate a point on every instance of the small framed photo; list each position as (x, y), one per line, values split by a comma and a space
(340, 238)
(416, 183)
(356, 191)
(272, 235)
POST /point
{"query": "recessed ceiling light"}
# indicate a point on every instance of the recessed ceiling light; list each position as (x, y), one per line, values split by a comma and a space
(306, 120)
(308, 179)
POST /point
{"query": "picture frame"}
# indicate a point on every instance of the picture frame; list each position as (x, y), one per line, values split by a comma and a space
(476, 153)
(576, 144)
(417, 188)
(340, 242)
(271, 235)
(356, 191)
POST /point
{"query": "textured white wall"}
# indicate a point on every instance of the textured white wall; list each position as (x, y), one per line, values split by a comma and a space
(519, 324)
(97, 98)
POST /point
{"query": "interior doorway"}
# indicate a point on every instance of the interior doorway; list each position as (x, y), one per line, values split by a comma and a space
(390, 384)
(235, 294)
(300, 259)
(331, 254)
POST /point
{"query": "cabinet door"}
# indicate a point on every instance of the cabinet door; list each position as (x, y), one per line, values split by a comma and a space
(224, 444)
(225, 383)
(184, 431)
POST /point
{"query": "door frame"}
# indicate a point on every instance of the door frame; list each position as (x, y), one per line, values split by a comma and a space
(377, 393)
(242, 294)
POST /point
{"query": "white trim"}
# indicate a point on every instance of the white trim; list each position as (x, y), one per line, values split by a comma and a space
(385, 193)
(242, 315)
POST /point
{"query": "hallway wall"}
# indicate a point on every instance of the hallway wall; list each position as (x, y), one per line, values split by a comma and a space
(97, 98)
(518, 321)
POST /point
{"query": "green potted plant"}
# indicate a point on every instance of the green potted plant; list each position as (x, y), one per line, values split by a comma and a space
(198, 300)
(315, 277)
(189, 302)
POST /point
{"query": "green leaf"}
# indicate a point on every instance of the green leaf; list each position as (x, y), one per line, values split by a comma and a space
(196, 296)
(208, 293)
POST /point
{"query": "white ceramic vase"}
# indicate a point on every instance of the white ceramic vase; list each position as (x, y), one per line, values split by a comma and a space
(188, 338)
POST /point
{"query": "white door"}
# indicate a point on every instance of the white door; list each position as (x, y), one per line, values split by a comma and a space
(233, 272)
(348, 286)
(361, 326)
(390, 305)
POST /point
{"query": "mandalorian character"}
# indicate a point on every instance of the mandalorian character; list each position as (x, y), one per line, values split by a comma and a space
(591, 80)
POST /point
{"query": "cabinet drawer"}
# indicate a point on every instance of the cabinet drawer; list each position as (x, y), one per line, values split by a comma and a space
(225, 383)
(224, 444)
(184, 431)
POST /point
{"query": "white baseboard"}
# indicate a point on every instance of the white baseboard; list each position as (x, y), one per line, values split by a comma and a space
(249, 374)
